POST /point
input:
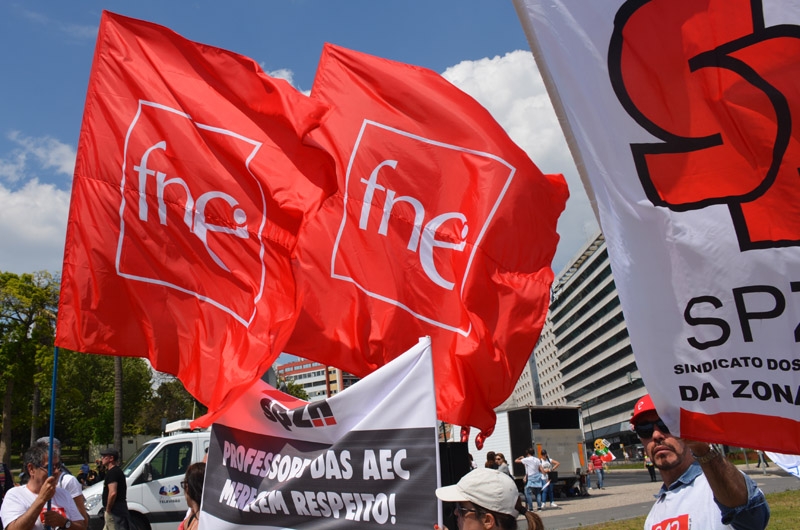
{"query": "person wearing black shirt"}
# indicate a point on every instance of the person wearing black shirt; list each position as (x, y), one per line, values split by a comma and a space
(115, 490)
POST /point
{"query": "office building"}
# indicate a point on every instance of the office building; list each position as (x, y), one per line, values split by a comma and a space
(584, 356)
(310, 376)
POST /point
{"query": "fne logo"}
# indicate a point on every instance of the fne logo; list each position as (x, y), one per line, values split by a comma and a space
(317, 414)
(718, 87)
(406, 214)
(192, 212)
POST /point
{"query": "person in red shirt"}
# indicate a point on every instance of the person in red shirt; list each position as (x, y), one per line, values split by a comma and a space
(597, 462)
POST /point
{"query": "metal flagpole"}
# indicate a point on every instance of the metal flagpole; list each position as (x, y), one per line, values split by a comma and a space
(52, 421)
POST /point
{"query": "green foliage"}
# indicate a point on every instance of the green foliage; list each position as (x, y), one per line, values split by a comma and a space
(28, 304)
(85, 387)
(784, 509)
(171, 402)
(293, 389)
(85, 397)
(784, 514)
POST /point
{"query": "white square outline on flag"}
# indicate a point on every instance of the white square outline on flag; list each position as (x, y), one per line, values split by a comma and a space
(512, 171)
(243, 319)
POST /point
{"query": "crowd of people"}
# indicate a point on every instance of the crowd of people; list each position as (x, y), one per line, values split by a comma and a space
(49, 496)
(699, 487)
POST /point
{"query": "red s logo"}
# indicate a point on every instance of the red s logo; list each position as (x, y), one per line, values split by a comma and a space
(719, 89)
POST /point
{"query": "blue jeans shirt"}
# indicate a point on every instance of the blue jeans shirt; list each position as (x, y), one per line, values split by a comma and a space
(753, 515)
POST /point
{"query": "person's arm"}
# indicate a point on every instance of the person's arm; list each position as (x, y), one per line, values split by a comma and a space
(54, 519)
(75, 512)
(555, 464)
(727, 483)
(28, 519)
(518, 460)
(112, 495)
(73, 487)
(80, 504)
(79, 525)
(741, 502)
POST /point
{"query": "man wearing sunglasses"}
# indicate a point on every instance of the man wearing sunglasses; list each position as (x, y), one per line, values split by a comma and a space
(26, 507)
(66, 480)
(115, 488)
(701, 488)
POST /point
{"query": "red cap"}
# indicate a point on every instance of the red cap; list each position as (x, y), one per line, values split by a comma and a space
(645, 404)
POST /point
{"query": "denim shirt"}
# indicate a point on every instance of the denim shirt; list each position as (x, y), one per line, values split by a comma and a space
(753, 515)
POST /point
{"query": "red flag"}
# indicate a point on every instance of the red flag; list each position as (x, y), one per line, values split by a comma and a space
(190, 185)
(442, 226)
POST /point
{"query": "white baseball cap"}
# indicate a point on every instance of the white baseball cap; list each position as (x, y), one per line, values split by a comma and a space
(486, 487)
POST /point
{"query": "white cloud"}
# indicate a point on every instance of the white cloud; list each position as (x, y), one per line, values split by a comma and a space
(283, 73)
(33, 224)
(12, 167)
(511, 88)
(33, 218)
(36, 153)
(33, 214)
(74, 31)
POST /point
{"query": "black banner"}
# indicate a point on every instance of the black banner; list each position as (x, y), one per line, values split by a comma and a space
(368, 479)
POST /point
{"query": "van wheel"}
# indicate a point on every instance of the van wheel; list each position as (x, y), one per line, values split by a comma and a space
(139, 522)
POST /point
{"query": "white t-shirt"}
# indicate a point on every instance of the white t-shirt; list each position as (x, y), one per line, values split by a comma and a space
(19, 499)
(71, 484)
(691, 506)
(532, 464)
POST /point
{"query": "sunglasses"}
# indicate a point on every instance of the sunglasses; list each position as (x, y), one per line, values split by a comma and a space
(184, 484)
(645, 429)
(462, 512)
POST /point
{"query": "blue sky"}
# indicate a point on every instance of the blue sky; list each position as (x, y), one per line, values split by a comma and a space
(46, 49)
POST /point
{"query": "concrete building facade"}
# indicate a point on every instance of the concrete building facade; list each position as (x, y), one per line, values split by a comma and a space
(584, 356)
(310, 375)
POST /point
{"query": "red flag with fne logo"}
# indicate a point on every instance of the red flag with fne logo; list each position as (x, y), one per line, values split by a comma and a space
(190, 185)
(442, 226)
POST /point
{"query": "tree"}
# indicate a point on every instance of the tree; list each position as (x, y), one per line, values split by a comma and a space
(85, 397)
(28, 304)
(118, 403)
(292, 388)
(171, 402)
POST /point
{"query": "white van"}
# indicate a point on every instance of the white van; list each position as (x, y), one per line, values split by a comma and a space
(154, 474)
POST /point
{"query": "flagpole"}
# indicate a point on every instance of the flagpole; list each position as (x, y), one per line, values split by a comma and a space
(327, 383)
(52, 421)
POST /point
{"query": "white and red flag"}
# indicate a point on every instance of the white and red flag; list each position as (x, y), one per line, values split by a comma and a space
(681, 116)
(190, 185)
(441, 226)
(364, 458)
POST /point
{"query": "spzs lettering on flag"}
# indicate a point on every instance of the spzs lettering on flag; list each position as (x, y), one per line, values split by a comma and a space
(178, 228)
(392, 181)
(317, 414)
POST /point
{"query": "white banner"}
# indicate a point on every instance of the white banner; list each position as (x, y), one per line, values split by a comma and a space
(366, 458)
(789, 463)
(679, 114)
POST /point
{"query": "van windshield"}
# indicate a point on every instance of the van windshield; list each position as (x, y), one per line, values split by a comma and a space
(137, 458)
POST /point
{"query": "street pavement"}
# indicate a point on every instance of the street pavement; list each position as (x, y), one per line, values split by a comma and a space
(629, 493)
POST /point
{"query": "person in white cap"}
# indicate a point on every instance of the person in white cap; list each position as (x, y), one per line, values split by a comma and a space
(701, 488)
(486, 499)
